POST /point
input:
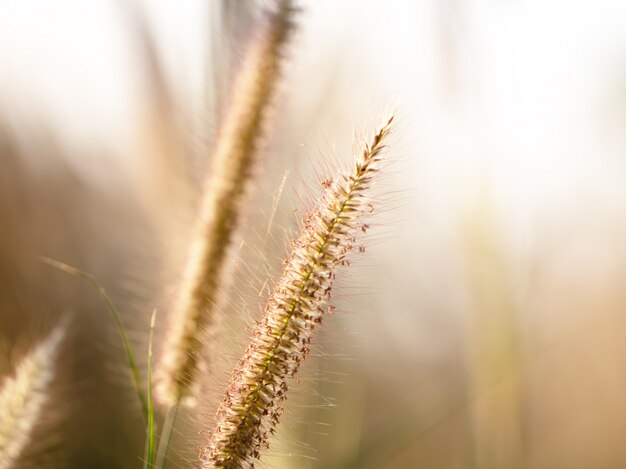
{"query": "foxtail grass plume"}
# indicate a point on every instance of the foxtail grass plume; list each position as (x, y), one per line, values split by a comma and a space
(24, 396)
(235, 155)
(253, 402)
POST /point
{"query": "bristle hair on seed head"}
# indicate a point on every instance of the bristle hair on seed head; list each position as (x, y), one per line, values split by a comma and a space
(252, 404)
(24, 396)
(195, 310)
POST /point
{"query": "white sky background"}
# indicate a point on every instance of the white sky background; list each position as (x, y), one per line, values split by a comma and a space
(531, 93)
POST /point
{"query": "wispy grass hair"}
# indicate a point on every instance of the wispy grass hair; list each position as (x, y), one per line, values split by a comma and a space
(280, 342)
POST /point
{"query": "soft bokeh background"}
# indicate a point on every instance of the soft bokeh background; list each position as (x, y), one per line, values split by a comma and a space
(483, 328)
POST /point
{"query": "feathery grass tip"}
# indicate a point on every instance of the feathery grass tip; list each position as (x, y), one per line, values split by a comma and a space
(253, 402)
(24, 396)
(195, 308)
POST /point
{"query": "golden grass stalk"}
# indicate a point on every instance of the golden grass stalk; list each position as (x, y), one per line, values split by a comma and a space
(23, 397)
(253, 402)
(235, 155)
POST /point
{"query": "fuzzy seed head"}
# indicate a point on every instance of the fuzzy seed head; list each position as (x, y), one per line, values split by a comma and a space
(252, 405)
(23, 397)
(195, 310)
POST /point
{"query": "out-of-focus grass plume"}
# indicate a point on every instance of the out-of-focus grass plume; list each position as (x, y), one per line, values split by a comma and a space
(24, 398)
(485, 326)
(223, 204)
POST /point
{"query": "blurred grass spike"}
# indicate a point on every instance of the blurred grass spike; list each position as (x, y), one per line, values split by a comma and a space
(252, 405)
(196, 305)
(24, 396)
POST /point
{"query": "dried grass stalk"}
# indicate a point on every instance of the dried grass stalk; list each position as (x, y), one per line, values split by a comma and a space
(235, 155)
(24, 396)
(253, 402)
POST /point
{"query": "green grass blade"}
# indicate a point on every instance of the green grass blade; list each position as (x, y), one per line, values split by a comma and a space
(149, 456)
(130, 356)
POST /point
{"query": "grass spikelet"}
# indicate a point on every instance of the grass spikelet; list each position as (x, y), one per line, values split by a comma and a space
(253, 402)
(234, 158)
(23, 397)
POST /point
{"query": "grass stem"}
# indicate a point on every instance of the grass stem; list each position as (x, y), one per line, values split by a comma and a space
(166, 434)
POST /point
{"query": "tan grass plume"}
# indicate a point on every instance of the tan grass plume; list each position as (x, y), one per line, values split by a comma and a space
(24, 396)
(195, 308)
(253, 402)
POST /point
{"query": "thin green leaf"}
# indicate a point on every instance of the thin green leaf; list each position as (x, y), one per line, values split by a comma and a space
(149, 457)
(130, 356)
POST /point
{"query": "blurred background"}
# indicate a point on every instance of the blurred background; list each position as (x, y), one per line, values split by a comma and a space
(484, 326)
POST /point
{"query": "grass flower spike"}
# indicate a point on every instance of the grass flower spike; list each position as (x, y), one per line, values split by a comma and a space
(253, 402)
(23, 397)
(233, 163)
